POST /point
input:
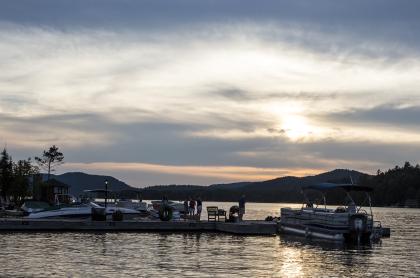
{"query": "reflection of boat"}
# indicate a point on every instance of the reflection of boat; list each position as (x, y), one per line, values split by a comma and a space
(350, 223)
(293, 240)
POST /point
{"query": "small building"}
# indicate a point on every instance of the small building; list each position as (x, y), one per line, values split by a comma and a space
(52, 191)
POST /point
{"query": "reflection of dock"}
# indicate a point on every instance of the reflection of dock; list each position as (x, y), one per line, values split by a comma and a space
(77, 225)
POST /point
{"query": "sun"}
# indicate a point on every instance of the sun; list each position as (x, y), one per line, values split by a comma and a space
(295, 127)
(291, 120)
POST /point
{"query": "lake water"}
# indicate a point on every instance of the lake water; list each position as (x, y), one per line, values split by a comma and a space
(213, 254)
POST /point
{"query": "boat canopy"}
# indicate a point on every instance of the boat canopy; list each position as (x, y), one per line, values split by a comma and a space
(96, 191)
(345, 186)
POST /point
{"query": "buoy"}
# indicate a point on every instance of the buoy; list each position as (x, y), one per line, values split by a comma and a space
(165, 213)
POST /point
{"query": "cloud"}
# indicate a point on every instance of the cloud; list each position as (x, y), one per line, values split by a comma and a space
(352, 26)
(384, 115)
(168, 152)
(290, 85)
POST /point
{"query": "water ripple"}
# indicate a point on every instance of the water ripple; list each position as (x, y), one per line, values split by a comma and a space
(212, 254)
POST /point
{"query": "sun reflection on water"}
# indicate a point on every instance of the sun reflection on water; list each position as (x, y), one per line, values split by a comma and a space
(291, 263)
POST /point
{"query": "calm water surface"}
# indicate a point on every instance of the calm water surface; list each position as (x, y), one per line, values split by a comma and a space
(212, 254)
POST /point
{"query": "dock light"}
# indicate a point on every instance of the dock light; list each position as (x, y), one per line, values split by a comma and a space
(106, 193)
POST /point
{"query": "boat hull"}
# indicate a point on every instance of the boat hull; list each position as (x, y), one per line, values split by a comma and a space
(326, 224)
(309, 232)
(81, 212)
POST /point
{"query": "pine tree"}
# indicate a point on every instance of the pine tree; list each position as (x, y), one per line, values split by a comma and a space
(6, 173)
(50, 159)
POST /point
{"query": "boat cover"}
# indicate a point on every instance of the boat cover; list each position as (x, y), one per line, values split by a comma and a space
(345, 186)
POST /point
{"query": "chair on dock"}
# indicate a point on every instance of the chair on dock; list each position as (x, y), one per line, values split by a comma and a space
(212, 213)
(221, 213)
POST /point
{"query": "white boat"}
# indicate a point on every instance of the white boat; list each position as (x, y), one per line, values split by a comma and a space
(31, 206)
(177, 206)
(155, 209)
(131, 204)
(112, 201)
(349, 223)
(79, 211)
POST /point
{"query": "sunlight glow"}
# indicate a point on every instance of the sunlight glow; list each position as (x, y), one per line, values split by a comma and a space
(296, 127)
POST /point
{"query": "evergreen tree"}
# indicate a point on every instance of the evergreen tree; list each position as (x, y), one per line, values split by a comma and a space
(6, 173)
(23, 171)
(50, 159)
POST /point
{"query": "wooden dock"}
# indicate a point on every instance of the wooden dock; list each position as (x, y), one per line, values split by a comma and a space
(78, 225)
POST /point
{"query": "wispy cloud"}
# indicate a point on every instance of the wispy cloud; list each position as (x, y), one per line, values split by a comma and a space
(295, 87)
(384, 115)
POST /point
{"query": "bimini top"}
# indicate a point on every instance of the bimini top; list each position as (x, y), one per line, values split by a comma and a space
(96, 191)
(345, 186)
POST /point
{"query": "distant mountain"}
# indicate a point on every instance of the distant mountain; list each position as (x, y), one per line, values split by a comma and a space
(235, 185)
(335, 176)
(398, 187)
(284, 189)
(81, 181)
(287, 189)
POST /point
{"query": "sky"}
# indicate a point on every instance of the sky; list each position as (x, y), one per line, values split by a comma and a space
(202, 92)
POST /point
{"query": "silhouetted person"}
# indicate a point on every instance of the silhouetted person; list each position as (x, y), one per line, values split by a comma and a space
(352, 207)
(199, 207)
(186, 207)
(241, 207)
(192, 206)
(164, 201)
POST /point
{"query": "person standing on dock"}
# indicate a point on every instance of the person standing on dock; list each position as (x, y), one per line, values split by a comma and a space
(199, 207)
(186, 209)
(241, 207)
(192, 207)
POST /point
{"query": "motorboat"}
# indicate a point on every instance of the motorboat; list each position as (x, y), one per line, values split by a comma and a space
(80, 211)
(132, 204)
(63, 211)
(31, 206)
(71, 208)
(177, 206)
(112, 201)
(156, 207)
(348, 223)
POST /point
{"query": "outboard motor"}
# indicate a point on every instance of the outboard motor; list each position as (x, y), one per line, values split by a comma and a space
(233, 214)
(357, 227)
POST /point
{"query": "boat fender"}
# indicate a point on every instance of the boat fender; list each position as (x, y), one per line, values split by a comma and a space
(165, 213)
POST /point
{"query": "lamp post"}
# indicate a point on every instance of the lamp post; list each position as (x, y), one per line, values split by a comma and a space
(106, 193)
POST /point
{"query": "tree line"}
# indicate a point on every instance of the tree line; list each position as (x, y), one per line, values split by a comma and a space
(17, 178)
(395, 186)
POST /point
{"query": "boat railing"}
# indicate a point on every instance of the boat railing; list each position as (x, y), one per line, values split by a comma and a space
(331, 218)
(322, 216)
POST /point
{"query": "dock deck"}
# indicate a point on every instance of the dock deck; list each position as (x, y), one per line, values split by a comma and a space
(253, 227)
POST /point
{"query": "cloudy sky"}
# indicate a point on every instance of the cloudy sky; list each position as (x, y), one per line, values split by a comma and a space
(199, 92)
